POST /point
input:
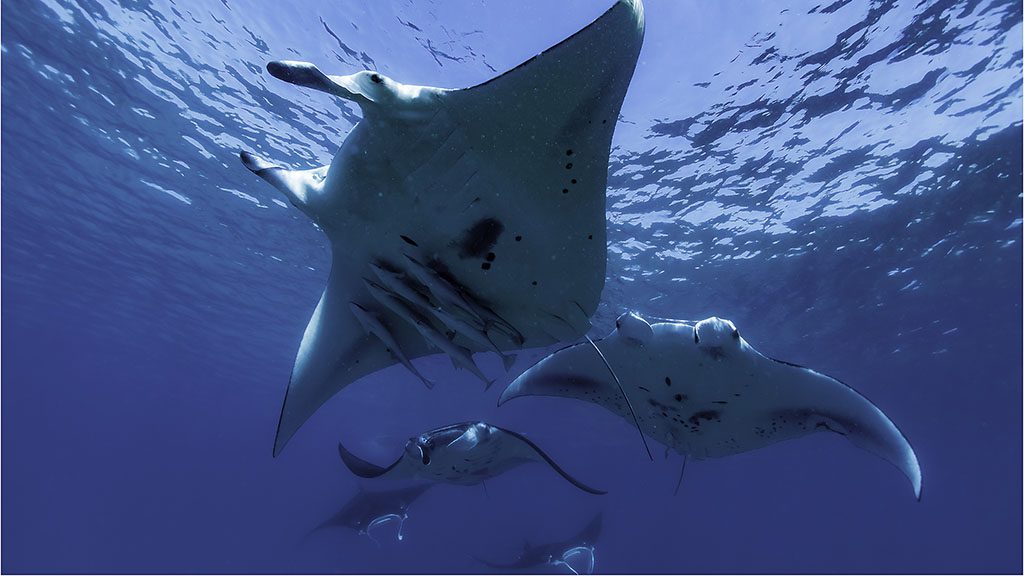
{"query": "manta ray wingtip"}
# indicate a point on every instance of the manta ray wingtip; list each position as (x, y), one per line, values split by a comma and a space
(253, 162)
(507, 394)
(286, 69)
(636, 7)
(914, 475)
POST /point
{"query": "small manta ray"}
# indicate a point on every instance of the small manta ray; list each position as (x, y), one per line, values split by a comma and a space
(574, 555)
(460, 220)
(465, 454)
(702, 390)
(368, 511)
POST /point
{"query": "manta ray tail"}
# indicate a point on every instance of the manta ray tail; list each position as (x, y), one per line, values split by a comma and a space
(555, 466)
(361, 467)
(626, 398)
(680, 481)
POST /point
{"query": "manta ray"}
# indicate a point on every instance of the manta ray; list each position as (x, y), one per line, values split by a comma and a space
(575, 555)
(702, 390)
(459, 220)
(464, 454)
(369, 510)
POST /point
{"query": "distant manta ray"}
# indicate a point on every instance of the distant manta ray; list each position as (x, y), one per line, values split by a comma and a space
(459, 221)
(466, 454)
(702, 390)
(575, 555)
(368, 510)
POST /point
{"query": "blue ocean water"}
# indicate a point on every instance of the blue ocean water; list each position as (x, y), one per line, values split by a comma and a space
(842, 179)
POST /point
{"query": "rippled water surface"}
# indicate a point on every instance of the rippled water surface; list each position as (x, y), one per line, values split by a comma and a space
(842, 180)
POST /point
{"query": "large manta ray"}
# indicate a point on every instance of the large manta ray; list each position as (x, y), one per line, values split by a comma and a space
(702, 390)
(459, 220)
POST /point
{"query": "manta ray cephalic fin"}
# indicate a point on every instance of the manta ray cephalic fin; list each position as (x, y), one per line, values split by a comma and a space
(300, 186)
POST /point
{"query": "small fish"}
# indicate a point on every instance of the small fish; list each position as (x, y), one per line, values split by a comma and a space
(394, 282)
(459, 355)
(442, 290)
(372, 325)
(454, 297)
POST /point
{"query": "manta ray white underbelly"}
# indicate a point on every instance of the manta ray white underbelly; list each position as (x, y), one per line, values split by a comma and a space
(487, 205)
(702, 390)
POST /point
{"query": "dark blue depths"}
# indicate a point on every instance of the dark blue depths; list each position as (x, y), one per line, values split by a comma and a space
(843, 181)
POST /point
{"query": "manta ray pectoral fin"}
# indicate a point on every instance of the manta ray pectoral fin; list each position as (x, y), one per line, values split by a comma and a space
(298, 185)
(880, 436)
(829, 405)
(335, 351)
(309, 76)
(572, 372)
(536, 449)
(604, 54)
(361, 467)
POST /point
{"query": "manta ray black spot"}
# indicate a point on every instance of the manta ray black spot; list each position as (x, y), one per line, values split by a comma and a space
(408, 240)
(590, 237)
(668, 381)
(679, 397)
(519, 238)
(825, 426)
(704, 415)
(479, 239)
(534, 282)
(719, 402)
(490, 256)
(486, 265)
(568, 152)
(573, 181)
(565, 190)
(568, 166)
